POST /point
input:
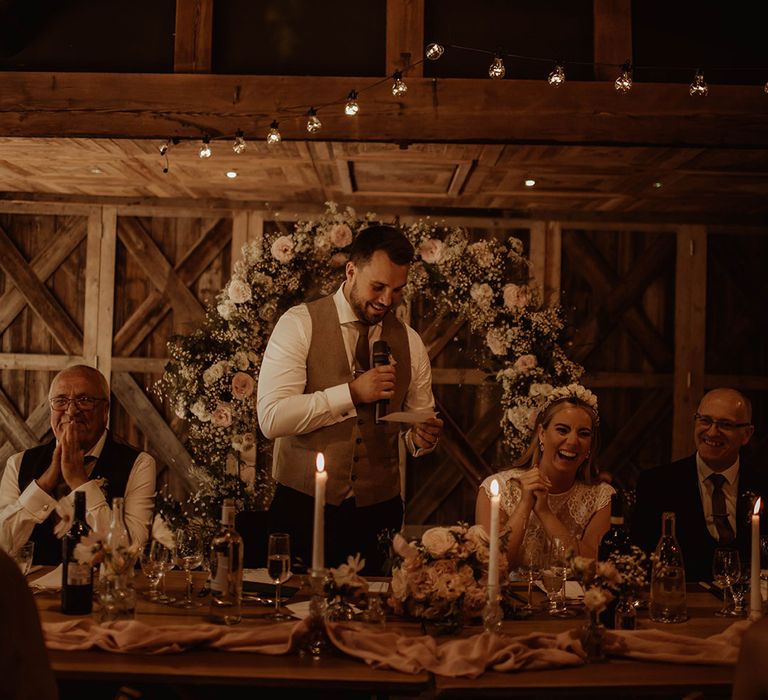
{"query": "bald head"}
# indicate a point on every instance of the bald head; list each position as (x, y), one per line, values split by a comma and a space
(723, 426)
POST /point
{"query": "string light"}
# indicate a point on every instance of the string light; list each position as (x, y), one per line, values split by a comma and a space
(434, 51)
(497, 70)
(239, 145)
(273, 135)
(698, 88)
(351, 108)
(399, 88)
(231, 174)
(623, 83)
(529, 182)
(313, 122)
(205, 147)
(557, 77)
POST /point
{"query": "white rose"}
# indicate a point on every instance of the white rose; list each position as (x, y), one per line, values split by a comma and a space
(496, 339)
(282, 249)
(226, 309)
(341, 235)
(482, 294)
(515, 296)
(432, 250)
(240, 360)
(239, 291)
(200, 411)
(438, 541)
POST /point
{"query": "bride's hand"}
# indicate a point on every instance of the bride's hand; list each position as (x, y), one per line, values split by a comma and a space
(534, 487)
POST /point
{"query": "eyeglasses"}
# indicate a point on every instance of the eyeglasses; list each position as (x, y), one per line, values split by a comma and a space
(83, 403)
(725, 425)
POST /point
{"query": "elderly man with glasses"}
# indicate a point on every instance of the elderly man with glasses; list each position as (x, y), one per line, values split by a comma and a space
(711, 492)
(83, 456)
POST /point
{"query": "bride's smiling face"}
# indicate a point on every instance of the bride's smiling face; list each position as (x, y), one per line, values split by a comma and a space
(566, 441)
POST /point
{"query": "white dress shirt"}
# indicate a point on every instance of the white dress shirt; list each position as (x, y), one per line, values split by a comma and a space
(283, 407)
(21, 511)
(730, 489)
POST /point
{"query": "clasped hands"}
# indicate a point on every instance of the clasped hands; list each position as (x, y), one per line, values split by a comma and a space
(67, 464)
(535, 487)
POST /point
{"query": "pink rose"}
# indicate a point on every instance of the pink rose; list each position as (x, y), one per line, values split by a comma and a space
(339, 259)
(222, 416)
(282, 249)
(431, 251)
(242, 385)
(341, 235)
(515, 296)
(525, 363)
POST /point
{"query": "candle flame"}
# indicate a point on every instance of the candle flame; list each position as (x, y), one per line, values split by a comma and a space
(494, 488)
(756, 509)
(320, 462)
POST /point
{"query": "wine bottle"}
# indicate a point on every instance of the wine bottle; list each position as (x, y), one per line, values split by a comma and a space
(76, 578)
(668, 602)
(616, 539)
(227, 568)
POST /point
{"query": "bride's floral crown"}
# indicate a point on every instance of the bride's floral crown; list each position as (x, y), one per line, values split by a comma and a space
(571, 391)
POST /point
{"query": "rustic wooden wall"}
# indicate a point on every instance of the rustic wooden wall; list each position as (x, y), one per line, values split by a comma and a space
(656, 314)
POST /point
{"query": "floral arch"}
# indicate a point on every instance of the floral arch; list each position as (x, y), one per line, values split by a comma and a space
(210, 380)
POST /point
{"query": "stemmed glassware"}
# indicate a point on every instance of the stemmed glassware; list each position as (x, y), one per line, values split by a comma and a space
(726, 570)
(530, 568)
(554, 574)
(189, 555)
(279, 568)
(156, 560)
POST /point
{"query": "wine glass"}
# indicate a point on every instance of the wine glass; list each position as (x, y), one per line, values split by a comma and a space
(156, 560)
(279, 568)
(189, 555)
(556, 566)
(531, 564)
(726, 569)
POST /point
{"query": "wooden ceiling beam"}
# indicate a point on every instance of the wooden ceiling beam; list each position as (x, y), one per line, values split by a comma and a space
(450, 110)
(612, 30)
(193, 37)
(405, 36)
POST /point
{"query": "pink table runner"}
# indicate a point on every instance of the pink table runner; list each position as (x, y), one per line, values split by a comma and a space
(467, 657)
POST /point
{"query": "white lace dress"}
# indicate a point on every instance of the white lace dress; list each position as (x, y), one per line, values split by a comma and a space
(573, 508)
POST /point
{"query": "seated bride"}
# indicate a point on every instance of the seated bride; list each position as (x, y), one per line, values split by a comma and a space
(552, 491)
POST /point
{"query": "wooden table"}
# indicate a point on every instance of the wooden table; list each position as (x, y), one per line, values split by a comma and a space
(201, 672)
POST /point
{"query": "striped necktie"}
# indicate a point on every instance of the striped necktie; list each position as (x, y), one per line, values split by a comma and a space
(719, 511)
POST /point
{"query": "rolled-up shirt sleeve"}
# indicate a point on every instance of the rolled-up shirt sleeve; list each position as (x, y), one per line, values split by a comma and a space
(283, 407)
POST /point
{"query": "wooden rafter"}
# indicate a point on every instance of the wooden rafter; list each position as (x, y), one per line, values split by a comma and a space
(405, 35)
(193, 35)
(612, 22)
(20, 435)
(449, 110)
(38, 424)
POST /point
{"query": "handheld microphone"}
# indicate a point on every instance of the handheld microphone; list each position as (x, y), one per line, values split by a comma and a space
(380, 357)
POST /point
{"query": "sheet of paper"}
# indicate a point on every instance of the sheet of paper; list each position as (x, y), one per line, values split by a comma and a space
(408, 416)
(260, 576)
(573, 589)
(50, 581)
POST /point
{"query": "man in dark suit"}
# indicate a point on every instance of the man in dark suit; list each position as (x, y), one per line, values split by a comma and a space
(711, 492)
(82, 457)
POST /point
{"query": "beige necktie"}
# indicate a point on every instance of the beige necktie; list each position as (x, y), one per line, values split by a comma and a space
(720, 511)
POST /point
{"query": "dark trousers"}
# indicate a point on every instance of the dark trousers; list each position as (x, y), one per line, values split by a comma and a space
(349, 529)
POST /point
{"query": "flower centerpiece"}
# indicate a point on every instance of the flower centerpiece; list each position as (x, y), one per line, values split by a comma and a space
(619, 579)
(211, 378)
(343, 587)
(442, 578)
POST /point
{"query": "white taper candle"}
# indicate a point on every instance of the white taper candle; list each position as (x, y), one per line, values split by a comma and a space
(318, 532)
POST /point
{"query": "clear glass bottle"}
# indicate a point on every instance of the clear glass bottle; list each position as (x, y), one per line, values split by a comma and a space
(227, 568)
(76, 578)
(117, 594)
(668, 602)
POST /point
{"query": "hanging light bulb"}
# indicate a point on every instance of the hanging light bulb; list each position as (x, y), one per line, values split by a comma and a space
(434, 51)
(698, 88)
(399, 88)
(239, 145)
(205, 147)
(273, 135)
(351, 108)
(623, 83)
(557, 77)
(497, 70)
(313, 123)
